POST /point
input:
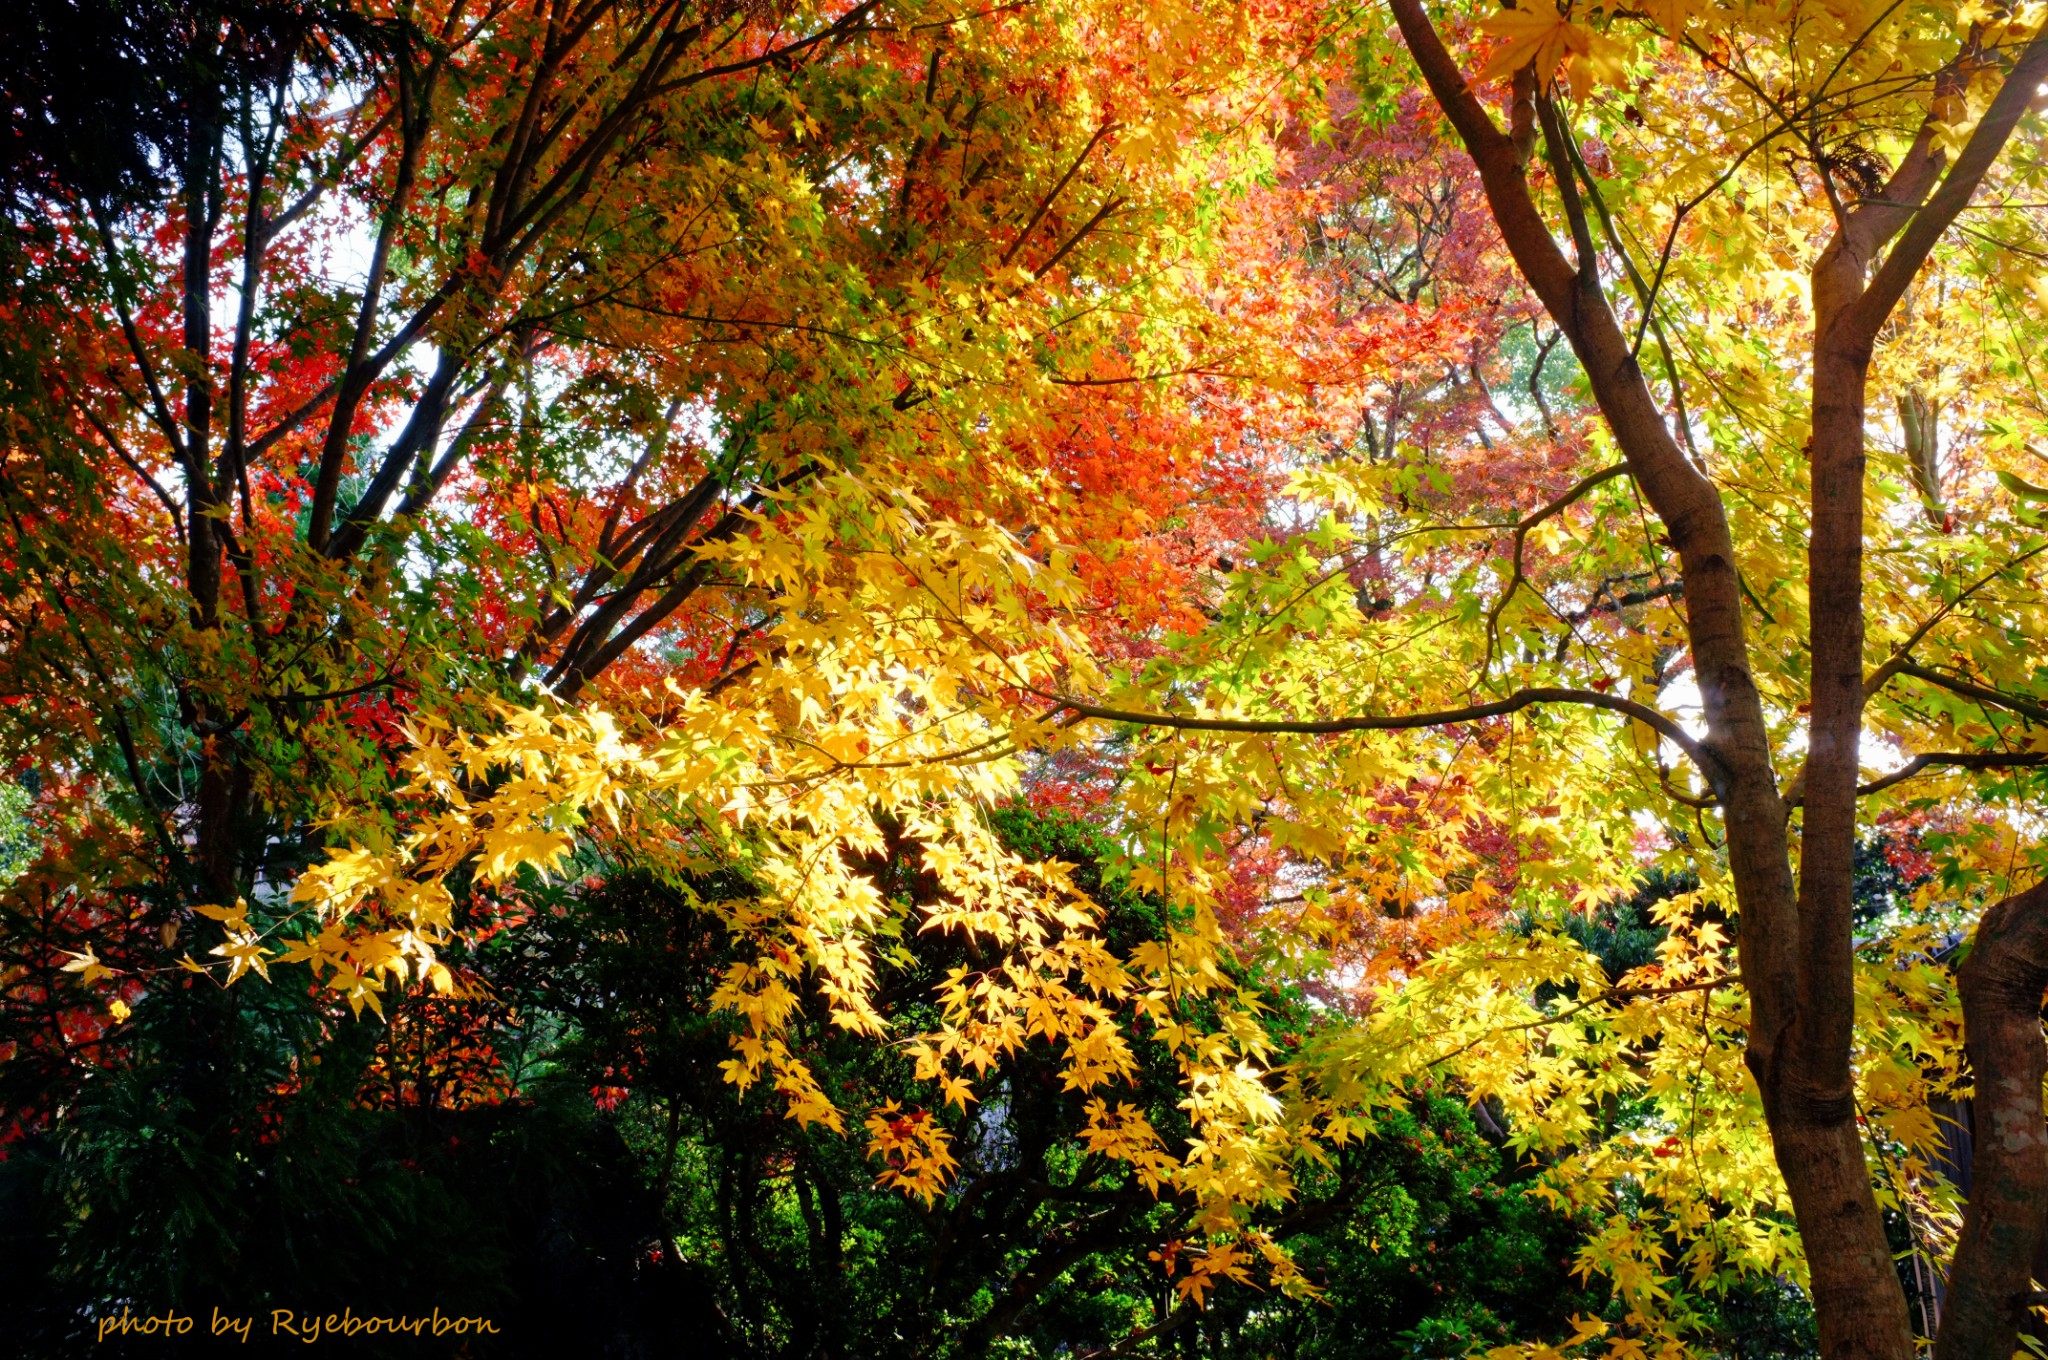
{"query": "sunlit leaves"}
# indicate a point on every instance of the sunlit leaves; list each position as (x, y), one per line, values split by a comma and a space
(1545, 39)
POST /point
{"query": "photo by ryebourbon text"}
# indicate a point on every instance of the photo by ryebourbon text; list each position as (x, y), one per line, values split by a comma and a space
(284, 1322)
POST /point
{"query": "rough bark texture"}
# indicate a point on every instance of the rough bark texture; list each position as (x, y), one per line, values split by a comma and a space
(2002, 984)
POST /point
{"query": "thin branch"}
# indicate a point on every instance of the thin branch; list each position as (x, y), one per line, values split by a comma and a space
(1090, 225)
(1522, 528)
(1956, 760)
(134, 465)
(1401, 722)
(1901, 656)
(1187, 1312)
(1045, 204)
(1646, 294)
(1580, 1008)
(1614, 604)
(1969, 690)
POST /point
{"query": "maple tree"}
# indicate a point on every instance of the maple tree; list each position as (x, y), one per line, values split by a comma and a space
(361, 316)
(1730, 204)
(751, 445)
(1889, 164)
(388, 362)
(788, 1230)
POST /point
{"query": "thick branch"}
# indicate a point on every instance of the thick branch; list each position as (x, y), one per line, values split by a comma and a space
(362, 367)
(1978, 155)
(1683, 498)
(1800, 1070)
(422, 433)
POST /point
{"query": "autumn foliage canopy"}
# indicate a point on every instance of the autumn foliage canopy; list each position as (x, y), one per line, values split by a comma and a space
(1101, 627)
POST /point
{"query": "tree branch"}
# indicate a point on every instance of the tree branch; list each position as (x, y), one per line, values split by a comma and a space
(1101, 215)
(2001, 984)
(1522, 528)
(1709, 763)
(1969, 690)
(1904, 259)
(1902, 655)
(1045, 204)
(1185, 1313)
(1959, 760)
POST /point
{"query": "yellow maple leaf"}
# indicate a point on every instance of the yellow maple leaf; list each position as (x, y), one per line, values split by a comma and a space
(88, 967)
(244, 953)
(1543, 38)
(1672, 15)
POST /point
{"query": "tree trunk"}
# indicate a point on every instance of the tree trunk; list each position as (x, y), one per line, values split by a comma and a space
(2002, 982)
(1808, 1089)
(1796, 948)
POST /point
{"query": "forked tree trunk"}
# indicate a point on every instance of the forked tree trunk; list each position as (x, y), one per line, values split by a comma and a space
(1795, 944)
